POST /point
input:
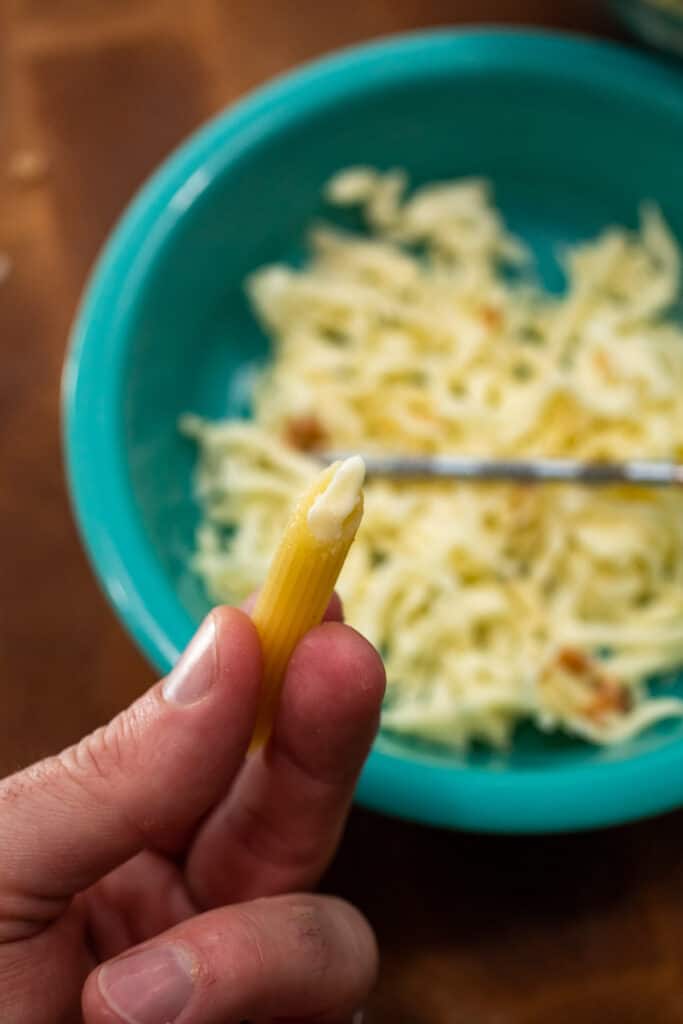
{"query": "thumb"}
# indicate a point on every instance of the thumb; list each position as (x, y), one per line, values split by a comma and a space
(143, 780)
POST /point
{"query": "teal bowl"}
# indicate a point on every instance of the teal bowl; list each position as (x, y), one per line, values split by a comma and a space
(573, 134)
(657, 22)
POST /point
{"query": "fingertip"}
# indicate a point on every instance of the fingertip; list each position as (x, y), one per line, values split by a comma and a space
(345, 664)
(226, 616)
(335, 609)
(249, 603)
(238, 648)
(331, 698)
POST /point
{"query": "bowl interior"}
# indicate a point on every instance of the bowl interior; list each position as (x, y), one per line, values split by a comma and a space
(567, 151)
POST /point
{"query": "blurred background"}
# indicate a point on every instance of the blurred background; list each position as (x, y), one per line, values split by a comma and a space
(93, 94)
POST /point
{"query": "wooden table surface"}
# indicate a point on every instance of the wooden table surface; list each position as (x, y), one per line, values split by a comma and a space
(473, 930)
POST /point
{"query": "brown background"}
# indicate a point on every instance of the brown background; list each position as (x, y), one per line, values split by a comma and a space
(93, 94)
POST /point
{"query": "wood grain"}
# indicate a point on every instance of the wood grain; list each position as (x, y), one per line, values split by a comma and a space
(473, 930)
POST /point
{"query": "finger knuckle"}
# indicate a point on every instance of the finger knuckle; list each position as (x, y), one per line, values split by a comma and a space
(99, 757)
(309, 931)
(303, 928)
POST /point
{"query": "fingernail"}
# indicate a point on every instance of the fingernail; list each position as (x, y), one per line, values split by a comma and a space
(150, 987)
(194, 673)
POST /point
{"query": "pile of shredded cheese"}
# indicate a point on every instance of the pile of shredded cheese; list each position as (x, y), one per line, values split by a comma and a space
(491, 603)
(675, 6)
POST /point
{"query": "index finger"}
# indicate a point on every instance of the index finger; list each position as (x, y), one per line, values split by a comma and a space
(279, 826)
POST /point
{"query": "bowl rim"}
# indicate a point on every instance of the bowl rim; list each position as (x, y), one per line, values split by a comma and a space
(565, 798)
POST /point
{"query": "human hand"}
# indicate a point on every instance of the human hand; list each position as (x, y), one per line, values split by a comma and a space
(141, 870)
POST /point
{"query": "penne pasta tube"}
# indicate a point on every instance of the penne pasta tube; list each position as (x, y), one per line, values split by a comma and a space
(303, 574)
